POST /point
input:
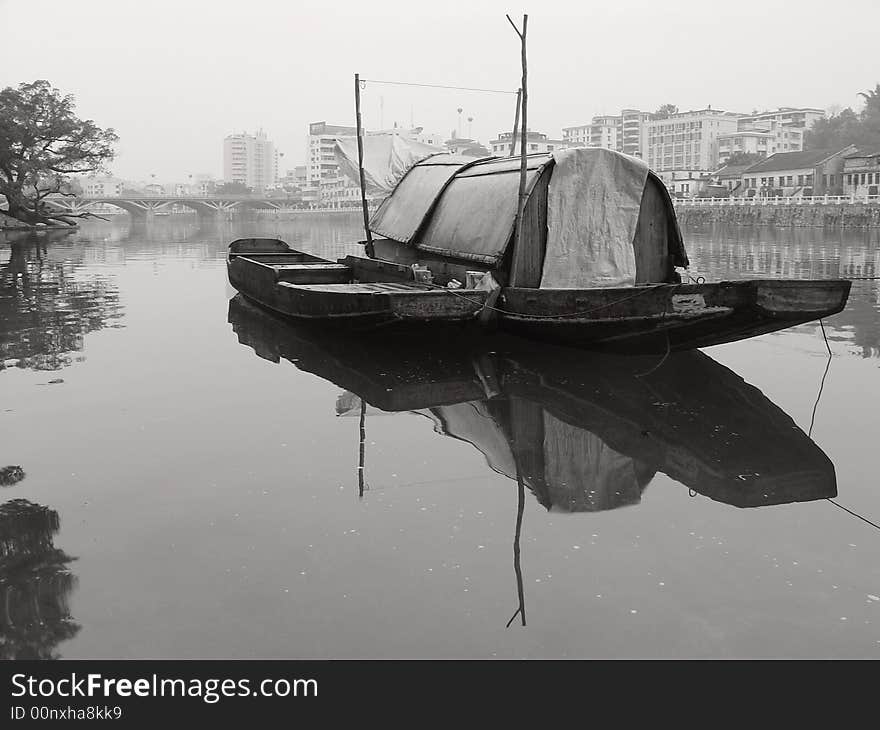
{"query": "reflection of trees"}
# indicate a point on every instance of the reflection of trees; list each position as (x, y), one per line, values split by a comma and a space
(35, 583)
(46, 310)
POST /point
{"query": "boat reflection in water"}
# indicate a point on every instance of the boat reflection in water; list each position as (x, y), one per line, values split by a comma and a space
(583, 431)
(35, 583)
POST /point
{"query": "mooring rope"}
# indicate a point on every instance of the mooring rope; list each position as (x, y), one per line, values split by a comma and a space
(822, 383)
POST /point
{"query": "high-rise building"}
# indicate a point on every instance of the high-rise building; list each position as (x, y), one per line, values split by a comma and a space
(687, 140)
(250, 159)
(634, 132)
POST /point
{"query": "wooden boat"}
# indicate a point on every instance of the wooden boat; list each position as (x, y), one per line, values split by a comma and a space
(582, 432)
(598, 262)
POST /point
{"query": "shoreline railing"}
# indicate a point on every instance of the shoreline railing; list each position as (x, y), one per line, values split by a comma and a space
(780, 200)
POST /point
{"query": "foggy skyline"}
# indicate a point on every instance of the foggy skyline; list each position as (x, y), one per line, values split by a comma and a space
(174, 79)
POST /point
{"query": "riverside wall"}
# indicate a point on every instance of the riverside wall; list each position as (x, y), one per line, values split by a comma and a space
(838, 215)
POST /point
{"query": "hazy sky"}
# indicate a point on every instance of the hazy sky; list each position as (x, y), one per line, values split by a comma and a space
(173, 78)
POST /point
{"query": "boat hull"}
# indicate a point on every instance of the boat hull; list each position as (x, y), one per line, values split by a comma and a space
(362, 294)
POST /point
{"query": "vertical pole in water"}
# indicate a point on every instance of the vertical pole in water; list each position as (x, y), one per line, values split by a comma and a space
(515, 123)
(361, 453)
(517, 568)
(360, 141)
(518, 242)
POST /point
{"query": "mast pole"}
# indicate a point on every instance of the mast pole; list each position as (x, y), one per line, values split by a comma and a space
(515, 123)
(360, 142)
(521, 203)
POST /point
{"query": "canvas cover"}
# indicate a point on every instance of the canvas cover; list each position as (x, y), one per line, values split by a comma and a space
(593, 205)
(404, 212)
(387, 158)
(474, 217)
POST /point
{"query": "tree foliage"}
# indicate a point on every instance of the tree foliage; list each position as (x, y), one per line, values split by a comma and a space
(665, 111)
(233, 188)
(847, 127)
(42, 143)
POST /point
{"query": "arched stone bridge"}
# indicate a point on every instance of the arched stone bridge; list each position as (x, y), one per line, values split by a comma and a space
(145, 206)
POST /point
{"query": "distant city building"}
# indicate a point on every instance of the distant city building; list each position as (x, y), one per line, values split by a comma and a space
(250, 159)
(324, 181)
(799, 118)
(687, 140)
(861, 173)
(684, 183)
(625, 132)
(604, 131)
(537, 142)
(321, 162)
(634, 132)
(295, 178)
(467, 147)
(101, 187)
(809, 172)
(752, 142)
(767, 133)
(203, 185)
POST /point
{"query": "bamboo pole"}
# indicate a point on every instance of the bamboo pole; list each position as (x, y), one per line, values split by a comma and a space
(360, 141)
(362, 447)
(518, 242)
(515, 123)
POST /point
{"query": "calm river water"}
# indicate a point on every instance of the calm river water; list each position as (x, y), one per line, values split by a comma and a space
(189, 482)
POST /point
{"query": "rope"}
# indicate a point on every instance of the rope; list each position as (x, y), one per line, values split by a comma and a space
(662, 360)
(822, 383)
(854, 514)
(434, 86)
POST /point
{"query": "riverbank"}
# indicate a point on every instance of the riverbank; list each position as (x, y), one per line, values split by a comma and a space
(8, 223)
(817, 215)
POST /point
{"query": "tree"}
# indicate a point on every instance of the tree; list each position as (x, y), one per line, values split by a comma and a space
(42, 143)
(847, 127)
(233, 188)
(665, 111)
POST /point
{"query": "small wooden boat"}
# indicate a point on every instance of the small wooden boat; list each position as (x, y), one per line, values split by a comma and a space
(583, 432)
(597, 262)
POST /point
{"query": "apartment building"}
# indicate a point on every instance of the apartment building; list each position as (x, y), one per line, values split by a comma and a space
(768, 133)
(634, 132)
(101, 187)
(537, 142)
(786, 116)
(687, 140)
(250, 159)
(603, 131)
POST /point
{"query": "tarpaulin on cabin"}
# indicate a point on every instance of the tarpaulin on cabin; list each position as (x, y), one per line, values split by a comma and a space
(593, 204)
(466, 212)
(475, 216)
(402, 214)
(591, 199)
(387, 158)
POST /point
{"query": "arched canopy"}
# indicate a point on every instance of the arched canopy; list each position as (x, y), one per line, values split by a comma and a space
(593, 216)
